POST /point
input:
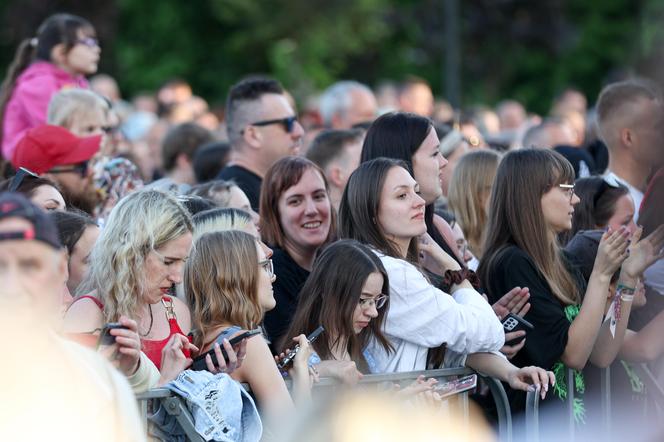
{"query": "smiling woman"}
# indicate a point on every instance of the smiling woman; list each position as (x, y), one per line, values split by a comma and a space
(296, 220)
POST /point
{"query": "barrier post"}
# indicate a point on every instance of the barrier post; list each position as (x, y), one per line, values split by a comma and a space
(570, 404)
(605, 377)
(532, 415)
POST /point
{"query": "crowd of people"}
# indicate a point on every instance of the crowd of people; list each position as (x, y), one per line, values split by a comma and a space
(409, 230)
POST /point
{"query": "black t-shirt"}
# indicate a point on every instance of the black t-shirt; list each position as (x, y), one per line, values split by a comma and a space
(290, 279)
(249, 182)
(546, 343)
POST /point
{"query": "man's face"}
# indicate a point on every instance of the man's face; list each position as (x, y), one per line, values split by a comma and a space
(648, 129)
(31, 272)
(276, 141)
(76, 184)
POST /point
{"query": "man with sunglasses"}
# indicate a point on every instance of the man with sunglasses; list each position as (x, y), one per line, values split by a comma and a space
(55, 153)
(262, 128)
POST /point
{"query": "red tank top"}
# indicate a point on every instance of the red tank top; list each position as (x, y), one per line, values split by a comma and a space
(153, 348)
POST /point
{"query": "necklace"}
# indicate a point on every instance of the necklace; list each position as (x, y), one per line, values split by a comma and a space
(151, 322)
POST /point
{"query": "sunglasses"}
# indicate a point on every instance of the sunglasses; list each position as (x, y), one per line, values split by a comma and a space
(80, 168)
(17, 179)
(288, 123)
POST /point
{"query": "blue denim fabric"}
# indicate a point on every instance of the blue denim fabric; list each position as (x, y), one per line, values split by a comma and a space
(222, 409)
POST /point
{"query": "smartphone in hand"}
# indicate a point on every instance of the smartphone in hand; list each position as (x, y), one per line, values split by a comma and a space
(199, 362)
(287, 361)
(105, 337)
(512, 323)
(457, 386)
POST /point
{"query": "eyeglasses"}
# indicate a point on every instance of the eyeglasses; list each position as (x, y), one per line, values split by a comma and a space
(288, 123)
(17, 179)
(268, 267)
(569, 188)
(378, 302)
(80, 168)
(88, 41)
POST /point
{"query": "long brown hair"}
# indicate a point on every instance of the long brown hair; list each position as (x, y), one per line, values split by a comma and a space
(472, 179)
(221, 283)
(516, 218)
(358, 209)
(329, 298)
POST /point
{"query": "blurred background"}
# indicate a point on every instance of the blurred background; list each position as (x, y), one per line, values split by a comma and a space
(470, 52)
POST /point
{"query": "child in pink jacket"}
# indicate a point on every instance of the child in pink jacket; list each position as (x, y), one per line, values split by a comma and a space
(64, 50)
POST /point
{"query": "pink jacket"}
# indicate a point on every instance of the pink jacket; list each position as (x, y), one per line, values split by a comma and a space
(28, 104)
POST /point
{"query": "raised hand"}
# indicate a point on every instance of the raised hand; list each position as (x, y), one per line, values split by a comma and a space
(644, 252)
(612, 251)
(515, 301)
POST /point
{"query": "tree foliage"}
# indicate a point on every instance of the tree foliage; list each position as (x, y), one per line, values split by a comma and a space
(509, 48)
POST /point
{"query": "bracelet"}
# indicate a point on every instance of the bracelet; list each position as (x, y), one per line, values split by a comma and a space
(626, 298)
(622, 288)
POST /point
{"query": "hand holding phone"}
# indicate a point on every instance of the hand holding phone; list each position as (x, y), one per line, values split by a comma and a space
(105, 337)
(199, 362)
(287, 360)
(512, 323)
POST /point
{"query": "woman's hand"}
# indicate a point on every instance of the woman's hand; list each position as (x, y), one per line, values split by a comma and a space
(644, 252)
(234, 358)
(523, 378)
(344, 371)
(127, 347)
(173, 360)
(511, 350)
(612, 251)
(420, 385)
(515, 301)
(434, 258)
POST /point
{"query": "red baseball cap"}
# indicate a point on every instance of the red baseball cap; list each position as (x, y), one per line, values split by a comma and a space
(45, 147)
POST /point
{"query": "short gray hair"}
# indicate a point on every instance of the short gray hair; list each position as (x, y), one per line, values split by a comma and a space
(336, 99)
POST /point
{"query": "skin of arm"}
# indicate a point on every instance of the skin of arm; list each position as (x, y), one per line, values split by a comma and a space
(82, 317)
(262, 375)
(645, 345)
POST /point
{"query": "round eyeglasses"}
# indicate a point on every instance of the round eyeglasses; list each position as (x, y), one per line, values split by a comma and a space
(569, 189)
(378, 302)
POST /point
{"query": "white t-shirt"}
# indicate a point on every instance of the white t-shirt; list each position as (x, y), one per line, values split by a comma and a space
(420, 317)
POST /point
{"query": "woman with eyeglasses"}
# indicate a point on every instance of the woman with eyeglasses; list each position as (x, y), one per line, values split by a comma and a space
(62, 52)
(533, 201)
(296, 219)
(228, 283)
(42, 192)
(347, 293)
(426, 327)
(134, 266)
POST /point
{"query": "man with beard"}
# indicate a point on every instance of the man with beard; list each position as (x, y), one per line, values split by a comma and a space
(55, 153)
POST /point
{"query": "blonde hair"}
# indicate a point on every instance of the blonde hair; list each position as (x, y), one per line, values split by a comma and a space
(141, 222)
(218, 220)
(69, 104)
(470, 186)
(221, 283)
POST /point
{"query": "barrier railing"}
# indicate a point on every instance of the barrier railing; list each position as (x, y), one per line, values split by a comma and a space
(176, 407)
(654, 390)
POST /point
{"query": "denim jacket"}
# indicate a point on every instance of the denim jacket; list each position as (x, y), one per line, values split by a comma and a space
(222, 409)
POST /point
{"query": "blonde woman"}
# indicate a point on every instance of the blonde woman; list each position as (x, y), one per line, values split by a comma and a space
(469, 195)
(232, 297)
(134, 265)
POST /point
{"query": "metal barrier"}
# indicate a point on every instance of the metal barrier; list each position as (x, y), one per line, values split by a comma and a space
(176, 407)
(654, 390)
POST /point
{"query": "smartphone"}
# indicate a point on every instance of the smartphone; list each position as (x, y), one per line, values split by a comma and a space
(457, 386)
(513, 322)
(199, 362)
(286, 362)
(106, 338)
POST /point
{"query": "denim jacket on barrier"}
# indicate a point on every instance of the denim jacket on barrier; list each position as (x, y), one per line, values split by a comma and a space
(222, 409)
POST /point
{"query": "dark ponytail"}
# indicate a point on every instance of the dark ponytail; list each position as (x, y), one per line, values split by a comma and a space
(56, 29)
